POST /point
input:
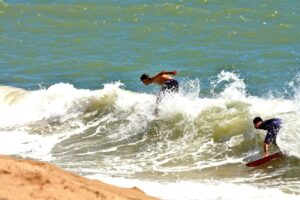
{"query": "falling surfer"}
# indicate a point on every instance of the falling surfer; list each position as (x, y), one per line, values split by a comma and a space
(167, 83)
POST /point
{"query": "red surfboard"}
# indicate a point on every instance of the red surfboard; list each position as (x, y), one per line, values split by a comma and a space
(264, 160)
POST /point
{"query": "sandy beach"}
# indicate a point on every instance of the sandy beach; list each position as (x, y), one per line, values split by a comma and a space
(26, 179)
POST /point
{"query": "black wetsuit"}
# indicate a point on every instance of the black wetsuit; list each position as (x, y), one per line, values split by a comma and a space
(272, 126)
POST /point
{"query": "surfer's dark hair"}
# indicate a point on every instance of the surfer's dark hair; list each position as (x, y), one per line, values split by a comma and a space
(144, 76)
(257, 119)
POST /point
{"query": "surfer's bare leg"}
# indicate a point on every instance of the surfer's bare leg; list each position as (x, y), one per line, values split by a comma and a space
(158, 100)
(266, 149)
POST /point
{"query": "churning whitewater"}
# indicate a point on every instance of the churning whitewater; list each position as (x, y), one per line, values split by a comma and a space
(195, 140)
(70, 92)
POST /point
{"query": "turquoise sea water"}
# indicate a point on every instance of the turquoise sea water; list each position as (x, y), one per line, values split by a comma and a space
(70, 92)
(88, 43)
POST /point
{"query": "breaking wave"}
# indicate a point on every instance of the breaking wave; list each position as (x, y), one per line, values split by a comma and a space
(115, 131)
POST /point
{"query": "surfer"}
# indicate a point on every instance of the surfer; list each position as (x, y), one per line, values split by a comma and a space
(167, 83)
(272, 126)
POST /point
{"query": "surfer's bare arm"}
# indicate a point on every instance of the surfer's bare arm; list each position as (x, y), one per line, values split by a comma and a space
(266, 149)
(165, 72)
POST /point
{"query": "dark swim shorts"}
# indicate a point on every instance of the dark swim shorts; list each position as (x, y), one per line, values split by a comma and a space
(272, 126)
(170, 85)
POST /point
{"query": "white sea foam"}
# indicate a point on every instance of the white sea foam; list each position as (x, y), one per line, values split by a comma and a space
(190, 134)
(62, 102)
(207, 190)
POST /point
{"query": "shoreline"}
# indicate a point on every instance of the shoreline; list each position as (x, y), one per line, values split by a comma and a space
(25, 179)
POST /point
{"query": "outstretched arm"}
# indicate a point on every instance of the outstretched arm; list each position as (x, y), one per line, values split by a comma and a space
(166, 72)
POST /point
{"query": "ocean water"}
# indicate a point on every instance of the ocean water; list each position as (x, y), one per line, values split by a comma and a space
(70, 92)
